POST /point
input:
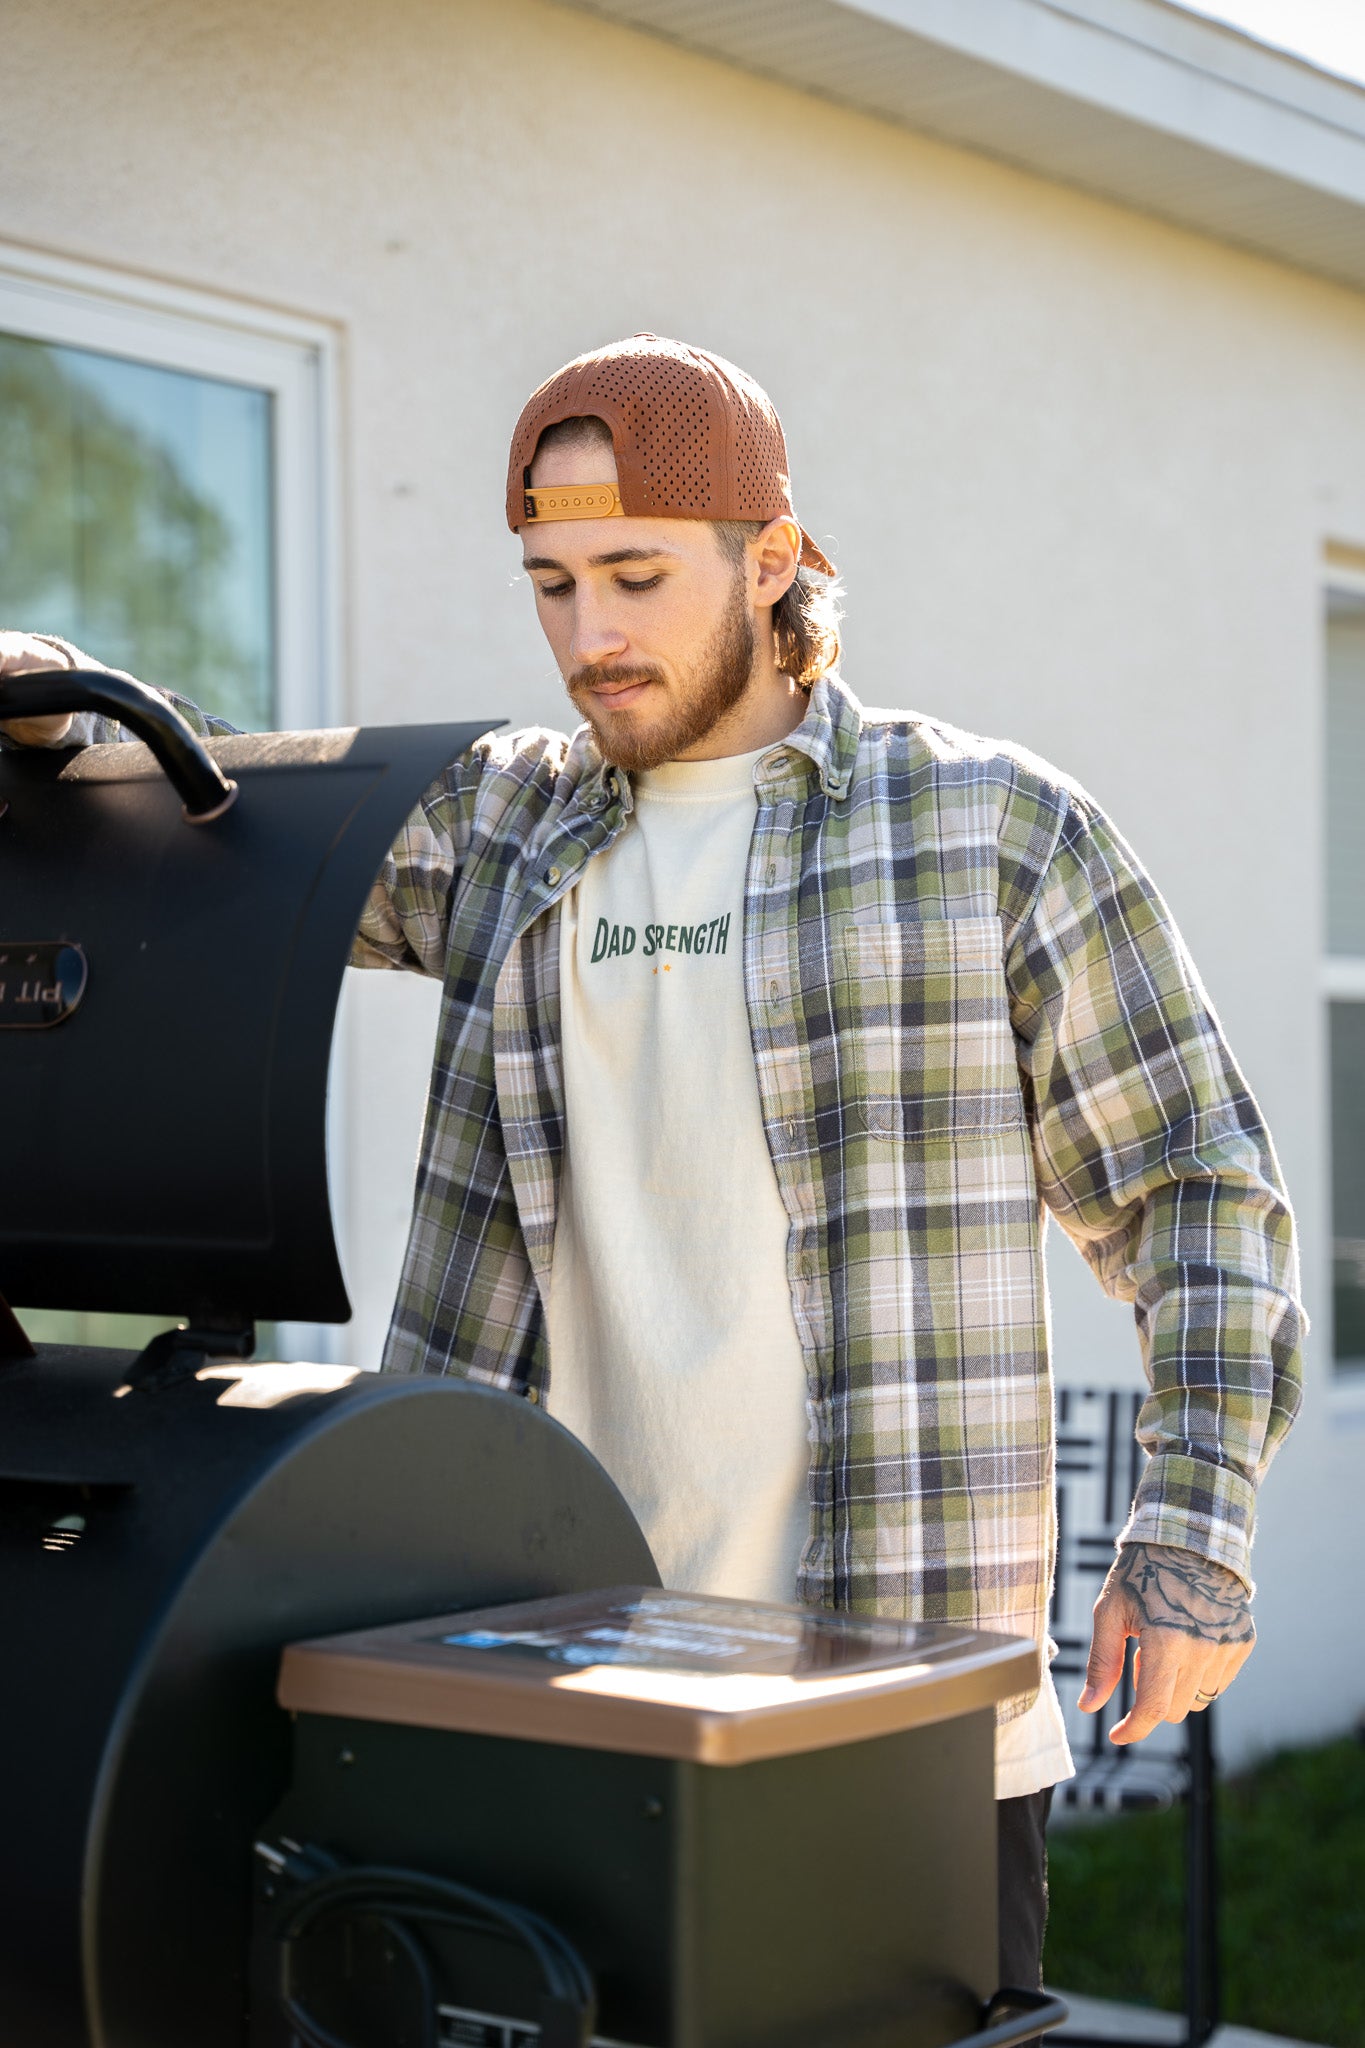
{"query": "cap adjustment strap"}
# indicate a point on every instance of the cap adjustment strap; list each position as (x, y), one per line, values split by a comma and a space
(573, 501)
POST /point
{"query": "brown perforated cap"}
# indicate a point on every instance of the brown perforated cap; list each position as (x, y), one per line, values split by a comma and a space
(695, 438)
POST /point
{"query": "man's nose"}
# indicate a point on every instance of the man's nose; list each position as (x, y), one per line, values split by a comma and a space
(597, 633)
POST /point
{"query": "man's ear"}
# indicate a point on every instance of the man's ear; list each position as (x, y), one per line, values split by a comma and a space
(775, 556)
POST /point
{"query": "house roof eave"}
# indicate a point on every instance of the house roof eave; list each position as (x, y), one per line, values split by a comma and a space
(1138, 101)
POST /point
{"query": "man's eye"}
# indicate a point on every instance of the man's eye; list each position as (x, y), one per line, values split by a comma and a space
(646, 583)
(554, 589)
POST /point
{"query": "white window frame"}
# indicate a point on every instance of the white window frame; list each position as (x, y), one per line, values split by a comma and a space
(1343, 980)
(82, 305)
(57, 299)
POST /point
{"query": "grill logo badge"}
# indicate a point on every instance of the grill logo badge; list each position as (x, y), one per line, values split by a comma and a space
(41, 982)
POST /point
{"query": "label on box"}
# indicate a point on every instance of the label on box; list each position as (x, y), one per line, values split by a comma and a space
(681, 1632)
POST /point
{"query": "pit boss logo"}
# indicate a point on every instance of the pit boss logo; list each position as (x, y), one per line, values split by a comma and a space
(615, 941)
(41, 982)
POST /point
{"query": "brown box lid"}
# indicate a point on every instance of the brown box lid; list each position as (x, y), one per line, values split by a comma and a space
(659, 1673)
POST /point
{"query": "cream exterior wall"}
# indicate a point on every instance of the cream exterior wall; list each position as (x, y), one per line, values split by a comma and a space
(1078, 467)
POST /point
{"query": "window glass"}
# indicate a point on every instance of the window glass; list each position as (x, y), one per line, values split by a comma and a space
(1345, 784)
(1346, 779)
(1348, 1182)
(136, 518)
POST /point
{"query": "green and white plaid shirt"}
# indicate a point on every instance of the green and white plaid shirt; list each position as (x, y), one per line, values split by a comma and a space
(968, 1007)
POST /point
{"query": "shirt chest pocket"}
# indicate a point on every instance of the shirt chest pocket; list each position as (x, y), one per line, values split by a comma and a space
(927, 1030)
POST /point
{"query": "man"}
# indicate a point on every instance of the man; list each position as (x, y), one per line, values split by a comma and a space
(768, 1021)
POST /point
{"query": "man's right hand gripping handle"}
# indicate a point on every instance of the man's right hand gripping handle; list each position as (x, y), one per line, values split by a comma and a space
(20, 654)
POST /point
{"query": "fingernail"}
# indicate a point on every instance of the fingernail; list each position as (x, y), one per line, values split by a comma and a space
(1089, 1694)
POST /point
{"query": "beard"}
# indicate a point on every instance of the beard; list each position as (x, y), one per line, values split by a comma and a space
(691, 709)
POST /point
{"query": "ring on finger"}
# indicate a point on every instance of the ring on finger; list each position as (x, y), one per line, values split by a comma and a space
(1207, 1698)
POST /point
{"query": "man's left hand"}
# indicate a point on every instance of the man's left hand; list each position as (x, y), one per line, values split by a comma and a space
(1194, 1628)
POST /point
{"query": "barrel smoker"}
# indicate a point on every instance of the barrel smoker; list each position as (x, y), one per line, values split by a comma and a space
(343, 1709)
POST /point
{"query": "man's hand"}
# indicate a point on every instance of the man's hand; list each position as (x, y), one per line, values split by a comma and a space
(20, 654)
(1194, 1628)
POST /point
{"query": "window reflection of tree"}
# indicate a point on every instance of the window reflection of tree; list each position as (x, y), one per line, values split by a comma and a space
(105, 539)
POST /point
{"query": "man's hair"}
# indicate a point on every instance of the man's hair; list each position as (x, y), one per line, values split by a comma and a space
(806, 616)
(584, 430)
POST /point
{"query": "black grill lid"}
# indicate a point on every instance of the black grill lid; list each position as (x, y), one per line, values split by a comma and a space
(167, 993)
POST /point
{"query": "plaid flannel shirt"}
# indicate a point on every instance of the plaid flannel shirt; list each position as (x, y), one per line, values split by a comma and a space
(968, 1007)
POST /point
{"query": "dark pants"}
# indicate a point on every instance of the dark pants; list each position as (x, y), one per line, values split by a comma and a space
(1023, 1887)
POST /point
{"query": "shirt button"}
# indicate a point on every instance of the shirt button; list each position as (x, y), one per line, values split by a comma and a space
(775, 991)
(533, 1396)
(791, 1128)
(772, 872)
(774, 763)
(552, 876)
(597, 801)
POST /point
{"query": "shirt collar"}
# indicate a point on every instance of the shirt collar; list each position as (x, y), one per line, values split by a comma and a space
(828, 734)
(600, 784)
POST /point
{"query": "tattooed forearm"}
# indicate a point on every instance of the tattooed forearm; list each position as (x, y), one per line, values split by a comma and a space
(1175, 1589)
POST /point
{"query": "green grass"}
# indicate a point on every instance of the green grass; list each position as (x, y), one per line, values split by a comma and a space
(1292, 1859)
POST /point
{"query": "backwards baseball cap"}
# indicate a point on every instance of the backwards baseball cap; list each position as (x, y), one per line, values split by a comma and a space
(695, 438)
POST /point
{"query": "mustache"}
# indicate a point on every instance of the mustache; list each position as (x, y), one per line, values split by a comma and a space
(596, 675)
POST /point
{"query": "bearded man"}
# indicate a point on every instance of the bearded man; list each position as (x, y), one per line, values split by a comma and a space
(770, 1025)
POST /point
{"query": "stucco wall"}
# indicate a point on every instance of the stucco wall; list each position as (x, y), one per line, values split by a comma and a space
(1078, 468)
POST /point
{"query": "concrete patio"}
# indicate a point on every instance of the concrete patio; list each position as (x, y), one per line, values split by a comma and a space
(1107, 2020)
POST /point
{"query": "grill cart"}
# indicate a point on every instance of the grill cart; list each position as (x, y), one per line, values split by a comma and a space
(756, 1825)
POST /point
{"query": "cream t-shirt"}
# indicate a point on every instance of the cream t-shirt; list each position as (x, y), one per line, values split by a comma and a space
(673, 1350)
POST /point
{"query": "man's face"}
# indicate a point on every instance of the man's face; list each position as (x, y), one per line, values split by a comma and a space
(651, 624)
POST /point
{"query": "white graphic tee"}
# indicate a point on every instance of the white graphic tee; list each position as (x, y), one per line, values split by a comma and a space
(673, 1351)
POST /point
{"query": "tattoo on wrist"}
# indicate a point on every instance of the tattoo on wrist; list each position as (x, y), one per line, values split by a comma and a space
(1175, 1589)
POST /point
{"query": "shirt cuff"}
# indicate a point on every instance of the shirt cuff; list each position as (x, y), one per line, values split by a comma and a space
(1191, 1504)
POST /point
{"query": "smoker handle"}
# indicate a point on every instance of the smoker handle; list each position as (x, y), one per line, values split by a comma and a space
(196, 777)
(1030, 2013)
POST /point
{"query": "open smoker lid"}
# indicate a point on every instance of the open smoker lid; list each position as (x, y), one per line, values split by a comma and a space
(167, 995)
